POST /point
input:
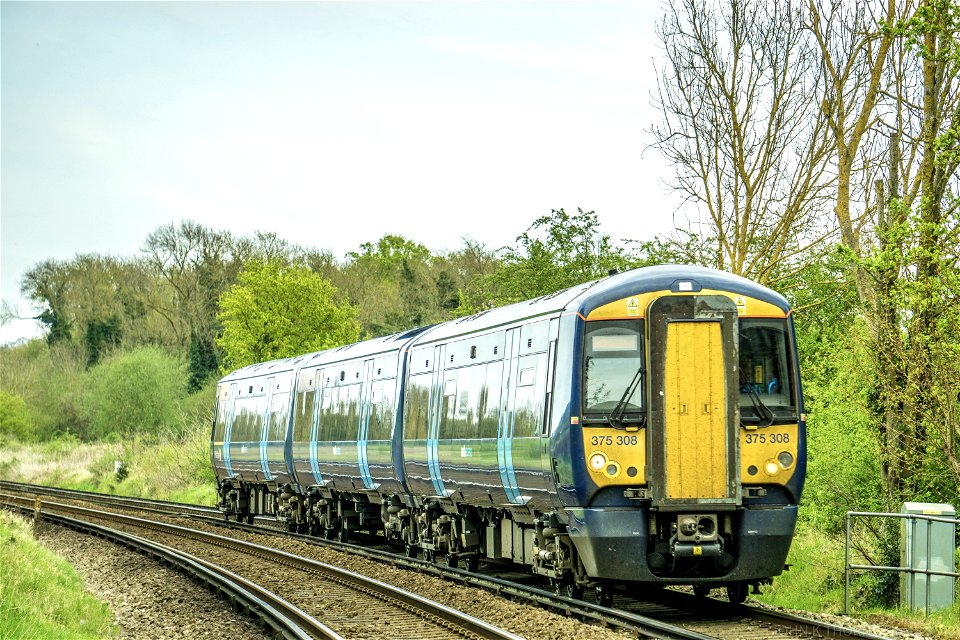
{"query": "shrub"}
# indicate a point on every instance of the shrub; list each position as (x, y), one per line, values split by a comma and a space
(137, 391)
(14, 418)
(48, 379)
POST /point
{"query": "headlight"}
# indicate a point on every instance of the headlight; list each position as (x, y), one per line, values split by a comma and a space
(785, 458)
(772, 468)
(598, 461)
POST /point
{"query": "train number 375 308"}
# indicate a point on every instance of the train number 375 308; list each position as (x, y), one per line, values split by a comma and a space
(609, 440)
(764, 438)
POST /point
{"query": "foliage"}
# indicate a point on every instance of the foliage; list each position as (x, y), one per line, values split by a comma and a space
(843, 453)
(14, 417)
(391, 282)
(41, 595)
(100, 336)
(202, 361)
(138, 391)
(49, 379)
(815, 579)
(275, 311)
(556, 252)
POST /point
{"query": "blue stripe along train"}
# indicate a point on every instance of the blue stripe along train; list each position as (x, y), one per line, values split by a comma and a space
(646, 427)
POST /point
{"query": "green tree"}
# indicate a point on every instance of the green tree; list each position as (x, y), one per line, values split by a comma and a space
(49, 378)
(392, 284)
(138, 391)
(46, 285)
(14, 417)
(276, 311)
(557, 251)
(101, 336)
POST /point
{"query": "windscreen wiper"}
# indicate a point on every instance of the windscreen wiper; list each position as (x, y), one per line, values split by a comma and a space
(616, 416)
(760, 408)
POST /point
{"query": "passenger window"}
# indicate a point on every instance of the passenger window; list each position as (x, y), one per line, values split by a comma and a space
(526, 377)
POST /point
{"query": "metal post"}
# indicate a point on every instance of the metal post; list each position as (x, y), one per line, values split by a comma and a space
(926, 566)
(911, 577)
(846, 570)
(36, 515)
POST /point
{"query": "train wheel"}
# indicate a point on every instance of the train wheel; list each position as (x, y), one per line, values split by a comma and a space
(451, 560)
(250, 518)
(428, 555)
(343, 534)
(701, 590)
(410, 550)
(603, 595)
(737, 592)
(473, 563)
(575, 591)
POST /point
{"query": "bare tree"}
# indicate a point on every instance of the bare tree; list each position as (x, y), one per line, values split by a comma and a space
(741, 126)
(891, 97)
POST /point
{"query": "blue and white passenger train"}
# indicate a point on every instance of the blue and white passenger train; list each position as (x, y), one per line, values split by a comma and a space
(646, 427)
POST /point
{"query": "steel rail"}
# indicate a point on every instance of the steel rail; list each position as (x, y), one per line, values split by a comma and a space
(423, 607)
(801, 625)
(642, 625)
(282, 616)
(142, 504)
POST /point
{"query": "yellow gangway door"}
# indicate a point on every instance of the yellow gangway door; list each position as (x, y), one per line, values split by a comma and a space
(695, 412)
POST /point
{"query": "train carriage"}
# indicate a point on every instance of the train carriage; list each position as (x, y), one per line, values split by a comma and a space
(643, 428)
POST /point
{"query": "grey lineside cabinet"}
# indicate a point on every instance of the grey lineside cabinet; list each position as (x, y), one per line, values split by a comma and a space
(915, 536)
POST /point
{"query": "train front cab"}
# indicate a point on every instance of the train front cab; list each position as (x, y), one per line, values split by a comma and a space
(692, 439)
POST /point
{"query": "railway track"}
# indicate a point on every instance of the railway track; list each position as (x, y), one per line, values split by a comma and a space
(351, 605)
(662, 613)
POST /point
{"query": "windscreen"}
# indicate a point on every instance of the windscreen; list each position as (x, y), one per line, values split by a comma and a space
(766, 371)
(613, 354)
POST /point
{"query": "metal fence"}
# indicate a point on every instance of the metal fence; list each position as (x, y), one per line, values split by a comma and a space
(929, 573)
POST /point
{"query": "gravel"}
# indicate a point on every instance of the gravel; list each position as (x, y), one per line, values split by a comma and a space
(149, 600)
(177, 615)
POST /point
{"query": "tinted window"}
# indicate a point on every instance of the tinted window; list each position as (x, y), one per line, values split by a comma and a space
(341, 417)
(417, 407)
(381, 410)
(766, 368)
(613, 353)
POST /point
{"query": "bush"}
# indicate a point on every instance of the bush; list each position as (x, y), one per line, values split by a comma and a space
(14, 418)
(138, 391)
(49, 380)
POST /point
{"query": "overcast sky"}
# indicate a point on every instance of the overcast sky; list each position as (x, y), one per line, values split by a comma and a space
(329, 124)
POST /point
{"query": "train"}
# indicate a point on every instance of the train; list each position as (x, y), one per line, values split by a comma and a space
(643, 429)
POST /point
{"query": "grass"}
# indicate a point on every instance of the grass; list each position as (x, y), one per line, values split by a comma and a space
(940, 624)
(163, 468)
(178, 468)
(816, 584)
(41, 595)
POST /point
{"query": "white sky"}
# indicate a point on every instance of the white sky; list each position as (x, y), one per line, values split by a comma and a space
(329, 124)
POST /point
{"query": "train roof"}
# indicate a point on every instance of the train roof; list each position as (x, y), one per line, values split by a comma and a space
(581, 298)
(392, 342)
(584, 298)
(667, 277)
